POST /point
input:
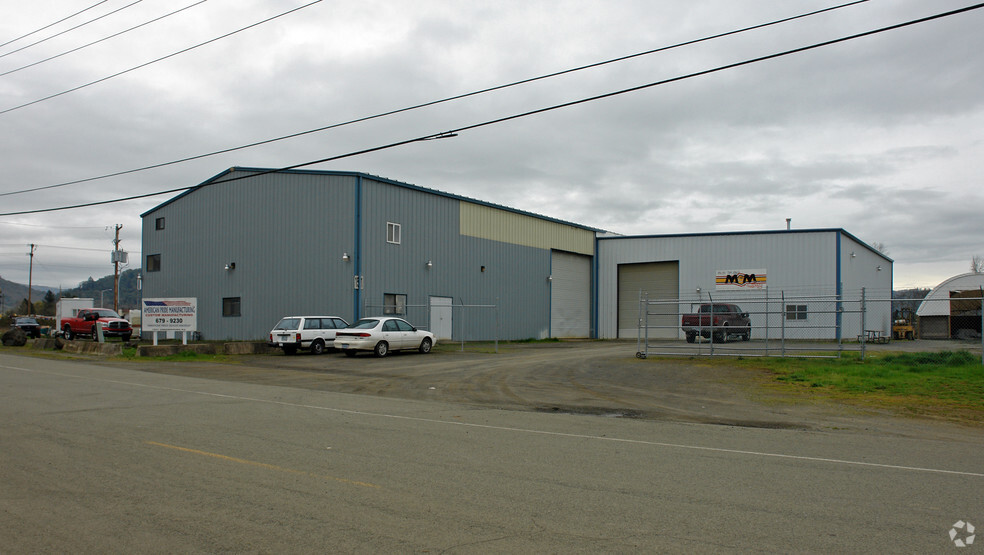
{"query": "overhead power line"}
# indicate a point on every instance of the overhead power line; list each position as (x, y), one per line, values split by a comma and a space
(69, 30)
(162, 58)
(455, 132)
(104, 39)
(53, 24)
(434, 102)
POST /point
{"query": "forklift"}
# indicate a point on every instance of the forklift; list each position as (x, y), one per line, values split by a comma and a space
(903, 325)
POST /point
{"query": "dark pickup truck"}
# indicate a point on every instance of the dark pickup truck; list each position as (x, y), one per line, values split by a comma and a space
(718, 319)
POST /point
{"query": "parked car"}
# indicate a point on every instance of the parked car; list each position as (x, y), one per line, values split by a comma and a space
(723, 319)
(382, 335)
(315, 333)
(30, 326)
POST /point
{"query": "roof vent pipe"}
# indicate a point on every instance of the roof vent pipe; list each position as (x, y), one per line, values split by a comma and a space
(789, 224)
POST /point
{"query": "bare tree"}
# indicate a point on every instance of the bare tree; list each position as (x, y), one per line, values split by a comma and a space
(977, 264)
(880, 247)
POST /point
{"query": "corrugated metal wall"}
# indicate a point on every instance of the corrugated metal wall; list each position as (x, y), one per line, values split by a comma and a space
(284, 232)
(470, 270)
(798, 262)
(287, 233)
(488, 222)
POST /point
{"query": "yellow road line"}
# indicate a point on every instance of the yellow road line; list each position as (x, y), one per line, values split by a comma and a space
(261, 465)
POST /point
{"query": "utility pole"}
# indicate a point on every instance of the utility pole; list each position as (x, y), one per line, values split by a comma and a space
(116, 269)
(30, 279)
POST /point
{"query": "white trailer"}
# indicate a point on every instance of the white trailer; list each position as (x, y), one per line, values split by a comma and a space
(69, 308)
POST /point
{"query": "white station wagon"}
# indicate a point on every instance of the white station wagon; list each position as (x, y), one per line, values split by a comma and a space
(315, 333)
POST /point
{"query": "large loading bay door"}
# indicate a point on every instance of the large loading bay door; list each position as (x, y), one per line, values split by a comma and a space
(570, 295)
(657, 280)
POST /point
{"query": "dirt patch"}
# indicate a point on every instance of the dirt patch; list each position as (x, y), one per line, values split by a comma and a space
(591, 378)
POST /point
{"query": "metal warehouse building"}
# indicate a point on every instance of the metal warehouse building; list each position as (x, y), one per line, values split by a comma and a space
(253, 245)
(818, 272)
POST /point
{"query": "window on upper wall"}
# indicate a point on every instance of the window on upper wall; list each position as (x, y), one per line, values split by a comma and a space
(796, 312)
(394, 304)
(230, 306)
(393, 233)
(153, 263)
(159, 223)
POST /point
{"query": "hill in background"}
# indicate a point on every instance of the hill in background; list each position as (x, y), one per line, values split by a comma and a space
(14, 294)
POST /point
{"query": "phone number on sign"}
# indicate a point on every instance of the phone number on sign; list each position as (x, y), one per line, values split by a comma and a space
(168, 320)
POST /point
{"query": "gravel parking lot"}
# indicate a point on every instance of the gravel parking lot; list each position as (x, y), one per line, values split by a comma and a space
(590, 377)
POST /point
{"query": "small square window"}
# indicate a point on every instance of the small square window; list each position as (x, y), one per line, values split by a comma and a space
(153, 263)
(796, 312)
(394, 304)
(393, 233)
(230, 306)
(159, 223)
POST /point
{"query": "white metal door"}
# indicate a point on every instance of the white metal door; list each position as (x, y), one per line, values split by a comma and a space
(570, 295)
(440, 317)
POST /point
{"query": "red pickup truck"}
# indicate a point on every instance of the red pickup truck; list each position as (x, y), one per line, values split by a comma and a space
(84, 323)
(721, 319)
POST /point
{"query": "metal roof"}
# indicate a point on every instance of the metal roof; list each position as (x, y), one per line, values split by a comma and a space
(257, 172)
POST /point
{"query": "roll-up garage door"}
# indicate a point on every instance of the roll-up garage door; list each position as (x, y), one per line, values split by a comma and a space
(657, 281)
(570, 295)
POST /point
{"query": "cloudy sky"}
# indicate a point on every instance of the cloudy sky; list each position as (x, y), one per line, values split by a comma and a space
(881, 136)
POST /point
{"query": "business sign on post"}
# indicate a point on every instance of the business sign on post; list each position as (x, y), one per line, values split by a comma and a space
(737, 280)
(170, 314)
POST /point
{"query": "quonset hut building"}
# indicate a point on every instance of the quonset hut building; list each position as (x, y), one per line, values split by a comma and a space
(253, 245)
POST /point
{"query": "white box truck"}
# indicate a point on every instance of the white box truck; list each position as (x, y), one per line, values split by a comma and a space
(69, 308)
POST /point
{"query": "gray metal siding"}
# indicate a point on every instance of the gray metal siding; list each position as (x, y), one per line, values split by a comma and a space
(287, 234)
(429, 228)
(797, 262)
(281, 230)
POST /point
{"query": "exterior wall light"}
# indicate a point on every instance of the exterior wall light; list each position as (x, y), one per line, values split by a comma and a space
(550, 278)
(878, 268)
(346, 257)
(429, 264)
(230, 266)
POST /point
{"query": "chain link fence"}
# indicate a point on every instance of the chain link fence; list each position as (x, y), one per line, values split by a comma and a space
(453, 322)
(803, 325)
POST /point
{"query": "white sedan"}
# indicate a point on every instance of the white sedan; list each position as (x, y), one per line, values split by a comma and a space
(382, 335)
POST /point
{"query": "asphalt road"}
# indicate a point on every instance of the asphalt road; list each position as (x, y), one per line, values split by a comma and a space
(101, 458)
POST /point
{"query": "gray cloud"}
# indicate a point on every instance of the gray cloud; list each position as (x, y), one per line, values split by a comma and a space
(879, 136)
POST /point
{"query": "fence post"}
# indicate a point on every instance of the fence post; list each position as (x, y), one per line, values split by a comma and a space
(864, 334)
(710, 319)
(768, 313)
(782, 322)
(638, 326)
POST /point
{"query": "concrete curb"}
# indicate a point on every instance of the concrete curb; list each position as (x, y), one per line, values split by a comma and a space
(246, 348)
(44, 344)
(112, 349)
(238, 348)
(93, 348)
